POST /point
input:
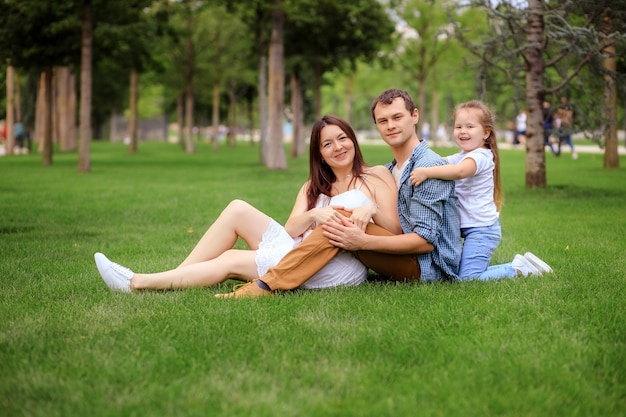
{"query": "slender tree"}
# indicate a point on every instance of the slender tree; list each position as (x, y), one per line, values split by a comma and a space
(611, 156)
(84, 142)
(223, 50)
(425, 41)
(187, 61)
(65, 114)
(609, 19)
(9, 144)
(256, 15)
(276, 158)
(132, 122)
(298, 146)
(189, 79)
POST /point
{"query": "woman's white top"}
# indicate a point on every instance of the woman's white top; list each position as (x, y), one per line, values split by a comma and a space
(475, 193)
(343, 269)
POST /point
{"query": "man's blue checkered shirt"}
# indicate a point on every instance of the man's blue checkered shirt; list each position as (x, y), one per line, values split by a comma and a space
(431, 211)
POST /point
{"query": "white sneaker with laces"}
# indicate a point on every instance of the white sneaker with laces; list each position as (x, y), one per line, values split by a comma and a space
(541, 266)
(524, 266)
(116, 276)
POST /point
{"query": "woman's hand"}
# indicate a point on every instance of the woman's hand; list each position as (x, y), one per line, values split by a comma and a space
(361, 216)
(345, 235)
(322, 215)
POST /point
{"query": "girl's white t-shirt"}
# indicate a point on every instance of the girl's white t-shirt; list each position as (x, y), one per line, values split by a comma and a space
(475, 193)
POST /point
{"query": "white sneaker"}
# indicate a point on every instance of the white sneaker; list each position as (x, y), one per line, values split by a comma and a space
(524, 266)
(541, 266)
(116, 276)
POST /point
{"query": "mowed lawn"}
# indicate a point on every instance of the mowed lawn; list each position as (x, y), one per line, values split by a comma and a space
(553, 345)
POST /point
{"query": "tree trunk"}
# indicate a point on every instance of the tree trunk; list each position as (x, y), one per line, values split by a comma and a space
(349, 97)
(84, 163)
(47, 127)
(298, 146)
(250, 111)
(18, 99)
(232, 115)
(9, 143)
(180, 117)
(191, 58)
(317, 91)
(40, 114)
(71, 112)
(113, 126)
(62, 108)
(262, 51)
(132, 123)
(55, 117)
(434, 114)
(611, 155)
(421, 82)
(535, 155)
(216, 114)
(263, 147)
(276, 158)
(191, 147)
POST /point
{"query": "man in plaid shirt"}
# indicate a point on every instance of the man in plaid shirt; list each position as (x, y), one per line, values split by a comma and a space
(429, 248)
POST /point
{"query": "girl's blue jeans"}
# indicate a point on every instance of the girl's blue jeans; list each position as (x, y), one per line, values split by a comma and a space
(478, 246)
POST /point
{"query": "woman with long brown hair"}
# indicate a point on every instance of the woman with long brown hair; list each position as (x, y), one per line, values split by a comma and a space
(338, 179)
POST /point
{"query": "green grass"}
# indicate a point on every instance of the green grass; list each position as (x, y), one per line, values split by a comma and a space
(542, 346)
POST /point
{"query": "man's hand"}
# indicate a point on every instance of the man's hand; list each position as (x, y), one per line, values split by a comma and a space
(345, 235)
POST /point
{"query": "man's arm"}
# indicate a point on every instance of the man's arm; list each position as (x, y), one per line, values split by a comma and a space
(346, 235)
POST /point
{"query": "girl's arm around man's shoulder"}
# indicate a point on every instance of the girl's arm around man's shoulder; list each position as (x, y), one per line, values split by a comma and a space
(464, 169)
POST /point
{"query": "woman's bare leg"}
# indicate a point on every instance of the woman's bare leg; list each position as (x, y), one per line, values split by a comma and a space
(238, 219)
(230, 264)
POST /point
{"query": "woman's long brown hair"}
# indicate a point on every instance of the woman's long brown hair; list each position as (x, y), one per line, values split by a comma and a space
(488, 122)
(321, 176)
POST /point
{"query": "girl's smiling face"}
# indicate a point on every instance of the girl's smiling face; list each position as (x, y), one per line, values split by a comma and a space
(469, 132)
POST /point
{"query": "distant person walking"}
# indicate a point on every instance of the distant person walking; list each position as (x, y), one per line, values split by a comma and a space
(565, 126)
(520, 128)
(19, 136)
(548, 125)
(426, 131)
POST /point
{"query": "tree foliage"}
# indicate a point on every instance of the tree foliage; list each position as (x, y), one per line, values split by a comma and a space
(324, 35)
(337, 56)
(36, 33)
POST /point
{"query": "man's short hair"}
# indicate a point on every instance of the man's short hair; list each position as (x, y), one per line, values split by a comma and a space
(388, 96)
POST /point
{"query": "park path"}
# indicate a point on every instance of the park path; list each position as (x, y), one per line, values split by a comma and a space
(565, 149)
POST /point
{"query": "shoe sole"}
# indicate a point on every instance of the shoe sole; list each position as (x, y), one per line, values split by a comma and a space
(538, 263)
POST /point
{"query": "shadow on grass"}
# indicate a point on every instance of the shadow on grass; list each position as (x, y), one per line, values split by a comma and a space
(13, 230)
(566, 192)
